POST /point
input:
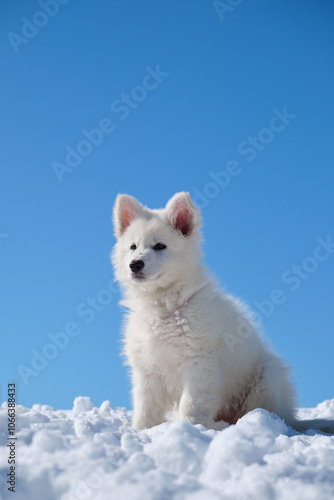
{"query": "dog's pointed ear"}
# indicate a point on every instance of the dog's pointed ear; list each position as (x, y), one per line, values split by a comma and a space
(183, 214)
(126, 209)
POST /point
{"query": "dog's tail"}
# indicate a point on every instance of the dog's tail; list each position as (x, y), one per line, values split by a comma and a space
(319, 424)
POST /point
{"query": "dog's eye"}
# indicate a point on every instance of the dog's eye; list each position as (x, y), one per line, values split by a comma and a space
(133, 247)
(159, 246)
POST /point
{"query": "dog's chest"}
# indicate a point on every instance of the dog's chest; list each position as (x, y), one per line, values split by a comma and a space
(171, 333)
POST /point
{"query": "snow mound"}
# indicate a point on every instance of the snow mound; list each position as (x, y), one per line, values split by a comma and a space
(94, 453)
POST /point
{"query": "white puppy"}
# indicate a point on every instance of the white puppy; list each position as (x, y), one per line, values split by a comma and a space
(193, 350)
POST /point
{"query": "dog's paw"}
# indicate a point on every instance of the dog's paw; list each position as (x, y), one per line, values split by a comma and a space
(140, 423)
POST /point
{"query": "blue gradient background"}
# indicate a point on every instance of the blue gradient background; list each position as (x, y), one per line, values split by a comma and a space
(225, 78)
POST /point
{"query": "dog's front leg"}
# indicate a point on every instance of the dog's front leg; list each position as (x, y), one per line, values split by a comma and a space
(200, 398)
(149, 400)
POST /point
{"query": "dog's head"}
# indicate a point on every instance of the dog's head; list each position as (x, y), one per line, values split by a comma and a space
(155, 248)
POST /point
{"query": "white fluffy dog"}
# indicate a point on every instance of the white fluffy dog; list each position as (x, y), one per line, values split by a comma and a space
(193, 350)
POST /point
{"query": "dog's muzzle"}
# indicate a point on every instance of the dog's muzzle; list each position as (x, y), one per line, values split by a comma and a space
(136, 266)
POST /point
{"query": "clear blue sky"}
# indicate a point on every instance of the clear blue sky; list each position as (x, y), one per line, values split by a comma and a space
(234, 104)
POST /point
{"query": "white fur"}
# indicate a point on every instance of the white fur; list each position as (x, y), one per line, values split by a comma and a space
(193, 350)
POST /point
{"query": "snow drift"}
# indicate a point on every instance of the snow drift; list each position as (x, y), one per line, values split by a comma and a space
(94, 453)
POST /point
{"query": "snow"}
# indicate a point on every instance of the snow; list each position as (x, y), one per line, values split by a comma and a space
(94, 453)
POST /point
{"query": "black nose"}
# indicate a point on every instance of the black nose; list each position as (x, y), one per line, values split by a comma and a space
(136, 266)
